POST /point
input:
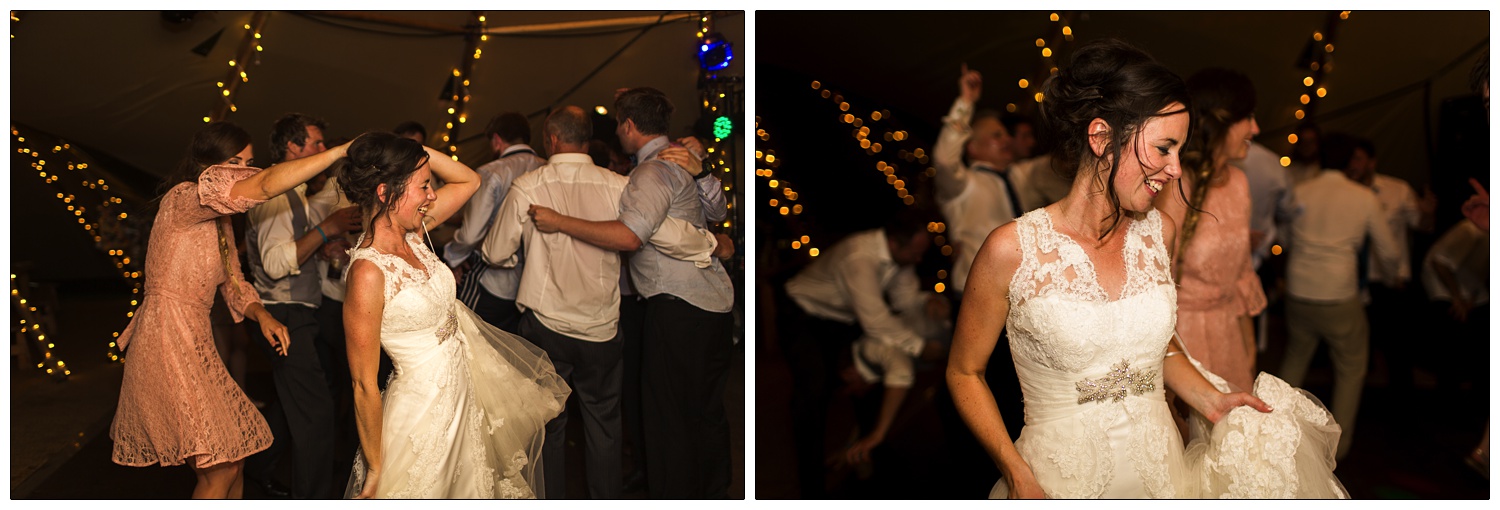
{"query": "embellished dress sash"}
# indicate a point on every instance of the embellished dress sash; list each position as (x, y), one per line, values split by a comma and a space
(1053, 395)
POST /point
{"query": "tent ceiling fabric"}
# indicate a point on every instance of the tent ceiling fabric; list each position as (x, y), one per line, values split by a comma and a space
(910, 60)
(127, 82)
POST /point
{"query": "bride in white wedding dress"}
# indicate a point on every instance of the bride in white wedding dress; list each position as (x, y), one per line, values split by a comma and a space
(1085, 289)
(464, 414)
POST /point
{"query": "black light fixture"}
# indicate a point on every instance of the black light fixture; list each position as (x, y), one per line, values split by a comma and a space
(207, 46)
(178, 17)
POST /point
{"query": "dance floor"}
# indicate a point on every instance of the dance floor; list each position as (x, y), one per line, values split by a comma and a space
(60, 446)
(1408, 444)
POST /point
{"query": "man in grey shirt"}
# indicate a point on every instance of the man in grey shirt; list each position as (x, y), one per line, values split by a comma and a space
(688, 340)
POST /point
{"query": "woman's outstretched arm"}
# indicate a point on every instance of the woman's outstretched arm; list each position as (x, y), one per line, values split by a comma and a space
(286, 175)
(461, 183)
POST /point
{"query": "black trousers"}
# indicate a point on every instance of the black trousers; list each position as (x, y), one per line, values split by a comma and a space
(303, 416)
(499, 312)
(815, 350)
(685, 366)
(1392, 331)
(593, 370)
(632, 322)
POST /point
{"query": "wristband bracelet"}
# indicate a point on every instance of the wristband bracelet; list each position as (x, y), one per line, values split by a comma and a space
(321, 233)
(702, 174)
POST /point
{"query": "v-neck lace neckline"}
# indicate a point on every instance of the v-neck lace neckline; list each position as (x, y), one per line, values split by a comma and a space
(423, 269)
(1091, 269)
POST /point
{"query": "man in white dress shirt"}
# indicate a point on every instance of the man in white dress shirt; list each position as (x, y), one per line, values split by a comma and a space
(1323, 301)
(490, 290)
(845, 294)
(282, 235)
(972, 156)
(570, 292)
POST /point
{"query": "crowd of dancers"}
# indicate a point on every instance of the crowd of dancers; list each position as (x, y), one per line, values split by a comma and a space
(1135, 256)
(436, 319)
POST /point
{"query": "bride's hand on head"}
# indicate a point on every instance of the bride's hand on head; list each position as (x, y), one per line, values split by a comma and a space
(1226, 402)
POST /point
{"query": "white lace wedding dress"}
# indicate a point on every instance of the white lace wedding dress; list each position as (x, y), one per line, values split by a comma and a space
(465, 411)
(1097, 422)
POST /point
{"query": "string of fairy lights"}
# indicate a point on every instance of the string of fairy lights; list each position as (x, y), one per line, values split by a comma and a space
(31, 326)
(1315, 82)
(104, 229)
(1060, 30)
(861, 136)
(458, 90)
(13, 20)
(716, 104)
(893, 137)
(786, 204)
(247, 54)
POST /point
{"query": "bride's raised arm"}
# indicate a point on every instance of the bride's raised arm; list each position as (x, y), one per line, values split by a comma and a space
(980, 320)
(1182, 378)
(362, 313)
(461, 183)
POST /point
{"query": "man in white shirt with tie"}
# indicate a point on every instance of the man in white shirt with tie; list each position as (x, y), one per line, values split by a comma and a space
(972, 156)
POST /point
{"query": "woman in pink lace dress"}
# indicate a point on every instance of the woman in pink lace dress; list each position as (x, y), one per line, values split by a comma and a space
(177, 402)
(1218, 289)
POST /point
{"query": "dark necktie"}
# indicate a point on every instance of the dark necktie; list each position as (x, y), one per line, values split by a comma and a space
(1010, 194)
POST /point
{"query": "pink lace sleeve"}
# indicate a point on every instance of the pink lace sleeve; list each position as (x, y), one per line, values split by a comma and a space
(1252, 297)
(214, 187)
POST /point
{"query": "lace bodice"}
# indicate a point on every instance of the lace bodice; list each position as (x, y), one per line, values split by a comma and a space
(1062, 318)
(416, 298)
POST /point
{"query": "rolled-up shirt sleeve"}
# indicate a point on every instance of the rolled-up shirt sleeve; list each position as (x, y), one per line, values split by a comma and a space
(896, 367)
(278, 244)
(683, 241)
(644, 204)
(861, 281)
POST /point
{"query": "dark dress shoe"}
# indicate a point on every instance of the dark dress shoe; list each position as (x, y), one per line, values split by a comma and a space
(271, 488)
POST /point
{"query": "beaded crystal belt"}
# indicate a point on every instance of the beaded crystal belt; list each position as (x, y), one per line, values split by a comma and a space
(449, 327)
(1114, 385)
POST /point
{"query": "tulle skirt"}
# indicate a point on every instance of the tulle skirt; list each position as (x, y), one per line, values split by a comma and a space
(464, 419)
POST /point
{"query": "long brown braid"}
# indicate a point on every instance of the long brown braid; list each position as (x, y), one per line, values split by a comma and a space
(1197, 161)
(221, 225)
(1221, 98)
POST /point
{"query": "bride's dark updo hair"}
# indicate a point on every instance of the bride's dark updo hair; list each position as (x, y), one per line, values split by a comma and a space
(1112, 80)
(377, 158)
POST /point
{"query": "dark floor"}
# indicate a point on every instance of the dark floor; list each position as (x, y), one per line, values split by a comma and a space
(59, 430)
(1409, 444)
